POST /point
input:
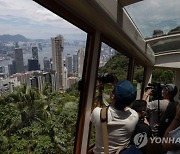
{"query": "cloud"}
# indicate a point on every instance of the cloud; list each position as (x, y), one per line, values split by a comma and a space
(3, 4)
(34, 21)
(16, 25)
(155, 14)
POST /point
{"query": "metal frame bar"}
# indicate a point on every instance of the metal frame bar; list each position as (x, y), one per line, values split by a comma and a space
(88, 91)
(128, 2)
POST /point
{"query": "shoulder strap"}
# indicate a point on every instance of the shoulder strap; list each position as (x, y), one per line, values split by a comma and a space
(103, 117)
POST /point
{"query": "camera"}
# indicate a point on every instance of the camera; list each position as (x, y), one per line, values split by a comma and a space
(157, 90)
(107, 78)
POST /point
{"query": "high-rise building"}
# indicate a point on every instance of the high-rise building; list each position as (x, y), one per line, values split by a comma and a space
(47, 64)
(57, 58)
(65, 77)
(75, 63)
(35, 53)
(40, 46)
(80, 55)
(11, 69)
(2, 69)
(33, 65)
(18, 56)
(69, 65)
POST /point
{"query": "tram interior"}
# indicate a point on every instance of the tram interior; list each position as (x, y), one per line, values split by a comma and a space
(116, 25)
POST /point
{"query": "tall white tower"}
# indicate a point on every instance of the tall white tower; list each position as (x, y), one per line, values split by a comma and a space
(80, 55)
(57, 59)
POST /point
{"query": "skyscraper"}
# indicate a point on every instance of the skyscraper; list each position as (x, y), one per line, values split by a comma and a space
(35, 53)
(75, 63)
(33, 65)
(80, 54)
(2, 69)
(18, 56)
(69, 65)
(40, 46)
(57, 58)
(12, 68)
(47, 64)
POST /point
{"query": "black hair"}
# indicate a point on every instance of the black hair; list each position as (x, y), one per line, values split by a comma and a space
(139, 105)
(172, 89)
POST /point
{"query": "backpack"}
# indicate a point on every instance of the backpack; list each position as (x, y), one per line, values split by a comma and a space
(167, 118)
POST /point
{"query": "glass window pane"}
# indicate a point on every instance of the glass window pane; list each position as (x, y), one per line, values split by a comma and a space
(112, 64)
(138, 79)
(41, 62)
(155, 18)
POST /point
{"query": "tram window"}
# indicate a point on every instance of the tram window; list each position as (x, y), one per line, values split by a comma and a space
(38, 108)
(110, 62)
(138, 79)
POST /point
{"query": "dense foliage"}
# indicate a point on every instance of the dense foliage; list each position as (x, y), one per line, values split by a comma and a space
(31, 122)
(118, 65)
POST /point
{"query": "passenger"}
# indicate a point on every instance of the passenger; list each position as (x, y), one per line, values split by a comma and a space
(173, 134)
(121, 119)
(166, 106)
(140, 106)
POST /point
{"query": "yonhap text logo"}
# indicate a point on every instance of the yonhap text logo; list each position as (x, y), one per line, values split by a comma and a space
(141, 139)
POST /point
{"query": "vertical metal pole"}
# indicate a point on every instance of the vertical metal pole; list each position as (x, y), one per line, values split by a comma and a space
(130, 69)
(88, 90)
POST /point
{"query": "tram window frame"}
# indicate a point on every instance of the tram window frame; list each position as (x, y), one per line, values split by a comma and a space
(130, 75)
(71, 18)
(66, 13)
(104, 40)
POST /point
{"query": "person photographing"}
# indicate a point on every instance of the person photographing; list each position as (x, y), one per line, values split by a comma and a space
(162, 111)
(121, 119)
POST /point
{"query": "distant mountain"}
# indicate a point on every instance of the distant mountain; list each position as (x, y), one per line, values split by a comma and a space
(14, 38)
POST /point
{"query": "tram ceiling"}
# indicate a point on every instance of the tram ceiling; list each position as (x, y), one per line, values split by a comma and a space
(168, 60)
(128, 2)
(158, 21)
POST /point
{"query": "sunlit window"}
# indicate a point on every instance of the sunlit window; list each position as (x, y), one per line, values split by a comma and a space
(41, 62)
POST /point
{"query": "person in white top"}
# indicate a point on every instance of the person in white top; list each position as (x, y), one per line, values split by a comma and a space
(121, 119)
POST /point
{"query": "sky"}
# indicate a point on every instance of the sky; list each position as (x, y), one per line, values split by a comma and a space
(155, 14)
(28, 18)
(33, 21)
